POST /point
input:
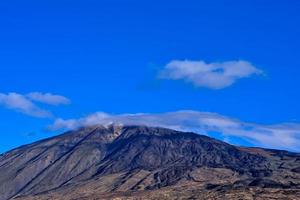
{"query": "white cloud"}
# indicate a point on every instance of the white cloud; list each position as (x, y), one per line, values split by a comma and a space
(21, 104)
(24, 103)
(216, 75)
(284, 136)
(48, 98)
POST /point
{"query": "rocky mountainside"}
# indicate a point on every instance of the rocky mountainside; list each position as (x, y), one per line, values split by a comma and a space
(137, 162)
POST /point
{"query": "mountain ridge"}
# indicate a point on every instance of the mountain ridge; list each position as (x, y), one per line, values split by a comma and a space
(139, 159)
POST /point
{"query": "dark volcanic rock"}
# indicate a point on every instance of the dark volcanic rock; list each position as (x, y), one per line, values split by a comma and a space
(296, 170)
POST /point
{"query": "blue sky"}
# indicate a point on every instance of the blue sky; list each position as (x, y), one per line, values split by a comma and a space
(108, 56)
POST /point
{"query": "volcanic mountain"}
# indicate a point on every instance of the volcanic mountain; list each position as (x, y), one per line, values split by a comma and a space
(138, 162)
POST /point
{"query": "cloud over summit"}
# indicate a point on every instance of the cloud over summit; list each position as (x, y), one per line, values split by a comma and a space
(215, 75)
(284, 136)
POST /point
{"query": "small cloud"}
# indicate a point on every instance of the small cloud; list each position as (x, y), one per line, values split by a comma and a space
(24, 103)
(21, 104)
(48, 98)
(216, 75)
(284, 136)
(31, 134)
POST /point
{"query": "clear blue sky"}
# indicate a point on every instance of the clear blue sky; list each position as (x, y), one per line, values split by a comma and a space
(105, 56)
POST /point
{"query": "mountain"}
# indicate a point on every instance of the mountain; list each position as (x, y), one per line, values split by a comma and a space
(138, 162)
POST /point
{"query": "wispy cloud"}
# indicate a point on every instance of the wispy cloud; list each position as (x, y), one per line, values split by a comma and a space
(25, 103)
(48, 98)
(285, 136)
(215, 75)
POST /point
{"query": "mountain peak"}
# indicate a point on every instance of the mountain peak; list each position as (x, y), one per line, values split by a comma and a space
(114, 160)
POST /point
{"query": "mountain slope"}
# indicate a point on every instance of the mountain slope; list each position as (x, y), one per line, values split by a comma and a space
(136, 161)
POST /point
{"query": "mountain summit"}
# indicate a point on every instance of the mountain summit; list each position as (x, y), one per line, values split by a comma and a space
(141, 162)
